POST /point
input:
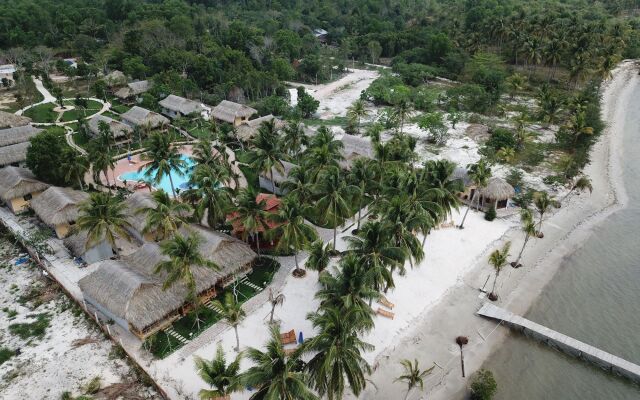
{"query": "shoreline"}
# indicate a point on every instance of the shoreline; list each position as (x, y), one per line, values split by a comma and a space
(431, 338)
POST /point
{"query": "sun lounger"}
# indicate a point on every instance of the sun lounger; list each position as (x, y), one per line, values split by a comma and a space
(385, 313)
(383, 300)
(289, 337)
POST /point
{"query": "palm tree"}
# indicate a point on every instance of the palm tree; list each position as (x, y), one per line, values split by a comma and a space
(274, 374)
(400, 112)
(337, 353)
(232, 313)
(275, 300)
(479, 174)
(577, 126)
(438, 174)
(299, 185)
(105, 137)
(413, 376)
(251, 214)
(292, 233)
(293, 139)
(319, 256)
(163, 160)
(103, 217)
(165, 217)
(209, 198)
(362, 175)
(543, 202)
(102, 161)
(377, 252)
(581, 184)
(498, 259)
(529, 229)
(218, 375)
(184, 255)
(75, 166)
(357, 111)
(334, 198)
(267, 154)
(323, 152)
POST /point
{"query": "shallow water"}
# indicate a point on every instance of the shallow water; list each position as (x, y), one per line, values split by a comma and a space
(595, 298)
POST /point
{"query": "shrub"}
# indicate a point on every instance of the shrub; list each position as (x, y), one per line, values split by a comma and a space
(514, 178)
(93, 386)
(483, 386)
(5, 354)
(33, 329)
(490, 215)
(501, 138)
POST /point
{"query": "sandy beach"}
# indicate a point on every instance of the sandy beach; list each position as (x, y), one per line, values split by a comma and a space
(431, 337)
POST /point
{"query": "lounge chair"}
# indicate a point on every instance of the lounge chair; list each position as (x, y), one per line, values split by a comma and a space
(385, 313)
(289, 337)
(383, 300)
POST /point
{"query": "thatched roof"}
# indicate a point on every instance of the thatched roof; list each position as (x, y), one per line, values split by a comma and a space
(115, 78)
(133, 204)
(228, 111)
(134, 89)
(9, 120)
(249, 129)
(77, 243)
(132, 291)
(181, 105)
(278, 177)
(58, 205)
(356, 146)
(16, 182)
(117, 128)
(13, 154)
(138, 116)
(497, 189)
(18, 134)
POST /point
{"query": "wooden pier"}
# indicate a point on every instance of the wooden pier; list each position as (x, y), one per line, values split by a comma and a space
(562, 342)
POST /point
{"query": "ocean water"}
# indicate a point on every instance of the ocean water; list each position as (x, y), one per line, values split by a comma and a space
(595, 298)
(180, 178)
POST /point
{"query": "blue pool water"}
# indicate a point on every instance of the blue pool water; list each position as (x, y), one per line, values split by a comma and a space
(180, 177)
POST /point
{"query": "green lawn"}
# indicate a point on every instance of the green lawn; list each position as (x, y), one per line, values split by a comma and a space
(42, 113)
(120, 108)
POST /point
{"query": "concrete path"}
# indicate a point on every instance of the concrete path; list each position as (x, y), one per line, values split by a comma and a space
(47, 97)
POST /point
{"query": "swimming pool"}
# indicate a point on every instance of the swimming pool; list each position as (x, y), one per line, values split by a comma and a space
(180, 178)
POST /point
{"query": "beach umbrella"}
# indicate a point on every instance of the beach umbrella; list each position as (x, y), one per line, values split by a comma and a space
(300, 338)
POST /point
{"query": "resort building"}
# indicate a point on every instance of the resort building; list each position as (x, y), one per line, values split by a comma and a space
(248, 130)
(16, 154)
(233, 113)
(115, 78)
(497, 192)
(355, 147)
(18, 186)
(10, 120)
(271, 206)
(137, 219)
(131, 293)
(175, 106)
(278, 178)
(14, 142)
(138, 116)
(121, 132)
(77, 244)
(58, 207)
(131, 92)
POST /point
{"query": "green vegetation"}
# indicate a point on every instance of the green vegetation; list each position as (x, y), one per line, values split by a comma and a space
(5, 354)
(42, 113)
(483, 385)
(35, 329)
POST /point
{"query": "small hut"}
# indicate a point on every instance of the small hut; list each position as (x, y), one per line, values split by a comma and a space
(497, 193)
(18, 134)
(58, 207)
(233, 113)
(15, 154)
(175, 106)
(9, 120)
(130, 92)
(18, 186)
(249, 129)
(138, 116)
(134, 203)
(77, 244)
(121, 132)
(278, 178)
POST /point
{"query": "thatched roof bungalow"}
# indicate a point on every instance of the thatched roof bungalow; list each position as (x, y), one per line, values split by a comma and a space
(278, 178)
(77, 244)
(18, 134)
(233, 113)
(133, 89)
(134, 203)
(138, 116)
(355, 147)
(9, 120)
(175, 106)
(249, 129)
(129, 292)
(115, 78)
(18, 186)
(14, 154)
(58, 207)
(496, 193)
(121, 132)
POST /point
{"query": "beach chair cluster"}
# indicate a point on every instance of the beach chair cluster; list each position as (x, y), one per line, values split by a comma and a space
(387, 304)
(289, 338)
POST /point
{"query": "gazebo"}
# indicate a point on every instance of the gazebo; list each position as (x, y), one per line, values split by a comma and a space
(496, 193)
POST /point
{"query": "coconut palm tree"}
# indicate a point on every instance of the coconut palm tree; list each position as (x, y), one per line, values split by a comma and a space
(274, 374)
(334, 199)
(267, 154)
(105, 137)
(543, 203)
(319, 256)
(101, 162)
(292, 232)
(103, 217)
(498, 259)
(529, 229)
(208, 197)
(581, 184)
(337, 353)
(479, 173)
(293, 139)
(378, 253)
(223, 378)
(577, 126)
(400, 113)
(275, 300)
(363, 175)
(75, 166)
(166, 216)
(413, 376)
(323, 152)
(299, 185)
(232, 313)
(184, 255)
(251, 214)
(163, 160)
(438, 174)
(357, 111)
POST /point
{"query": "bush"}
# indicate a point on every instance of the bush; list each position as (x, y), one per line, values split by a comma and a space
(415, 74)
(44, 157)
(5, 354)
(483, 386)
(469, 97)
(490, 215)
(501, 138)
